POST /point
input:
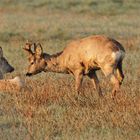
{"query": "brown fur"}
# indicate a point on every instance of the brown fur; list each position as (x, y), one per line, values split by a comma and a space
(82, 57)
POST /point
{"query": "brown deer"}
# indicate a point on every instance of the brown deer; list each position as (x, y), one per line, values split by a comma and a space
(5, 67)
(81, 57)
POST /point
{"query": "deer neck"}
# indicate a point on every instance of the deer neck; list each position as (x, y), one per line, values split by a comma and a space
(54, 64)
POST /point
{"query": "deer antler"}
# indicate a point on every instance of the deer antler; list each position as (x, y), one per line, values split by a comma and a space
(27, 47)
(38, 48)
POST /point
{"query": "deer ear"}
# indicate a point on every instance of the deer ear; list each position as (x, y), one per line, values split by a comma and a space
(38, 49)
(1, 52)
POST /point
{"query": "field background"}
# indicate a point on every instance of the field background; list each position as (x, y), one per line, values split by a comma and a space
(50, 109)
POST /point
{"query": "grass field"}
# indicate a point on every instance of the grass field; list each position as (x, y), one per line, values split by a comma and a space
(50, 109)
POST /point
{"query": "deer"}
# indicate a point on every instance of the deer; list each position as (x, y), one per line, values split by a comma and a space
(81, 57)
(5, 67)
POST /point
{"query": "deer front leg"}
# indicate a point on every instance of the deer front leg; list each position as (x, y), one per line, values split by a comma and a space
(78, 79)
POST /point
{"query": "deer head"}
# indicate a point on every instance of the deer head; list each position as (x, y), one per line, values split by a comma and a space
(36, 58)
(5, 67)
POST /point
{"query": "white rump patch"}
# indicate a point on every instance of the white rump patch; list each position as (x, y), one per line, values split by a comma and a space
(118, 55)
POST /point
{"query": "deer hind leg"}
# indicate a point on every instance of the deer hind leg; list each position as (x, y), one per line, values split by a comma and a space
(92, 75)
(109, 70)
(119, 72)
(116, 83)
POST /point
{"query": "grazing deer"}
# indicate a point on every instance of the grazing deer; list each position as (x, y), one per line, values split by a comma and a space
(81, 57)
(5, 67)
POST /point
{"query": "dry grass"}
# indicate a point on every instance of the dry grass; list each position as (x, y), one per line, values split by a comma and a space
(49, 107)
(49, 110)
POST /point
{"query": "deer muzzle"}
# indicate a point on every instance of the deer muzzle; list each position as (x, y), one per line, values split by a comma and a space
(29, 74)
(12, 69)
